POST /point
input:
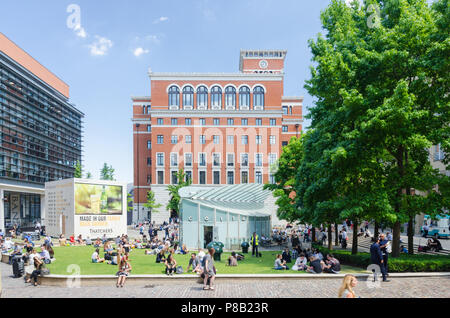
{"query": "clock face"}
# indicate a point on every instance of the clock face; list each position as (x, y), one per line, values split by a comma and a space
(263, 64)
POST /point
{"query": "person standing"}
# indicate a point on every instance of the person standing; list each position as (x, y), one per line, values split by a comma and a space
(384, 242)
(376, 257)
(344, 239)
(254, 241)
(209, 272)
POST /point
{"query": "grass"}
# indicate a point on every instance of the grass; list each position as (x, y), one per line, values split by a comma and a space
(146, 264)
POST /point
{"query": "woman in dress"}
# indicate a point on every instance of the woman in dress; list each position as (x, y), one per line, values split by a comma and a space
(124, 270)
(210, 272)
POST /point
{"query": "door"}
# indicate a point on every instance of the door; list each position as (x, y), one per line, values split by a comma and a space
(208, 235)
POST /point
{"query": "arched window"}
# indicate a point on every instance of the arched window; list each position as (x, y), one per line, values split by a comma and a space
(230, 97)
(188, 97)
(244, 97)
(290, 110)
(202, 97)
(174, 96)
(216, 97)
(258, 97)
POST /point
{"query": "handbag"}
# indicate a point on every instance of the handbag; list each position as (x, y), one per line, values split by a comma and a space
(179, 270)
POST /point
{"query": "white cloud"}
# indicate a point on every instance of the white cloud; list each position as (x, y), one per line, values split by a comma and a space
(139, 51)
(100, 46)
(80, 31)
(160, 19)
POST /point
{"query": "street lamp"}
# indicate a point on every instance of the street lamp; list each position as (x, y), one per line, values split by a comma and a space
(137, 162)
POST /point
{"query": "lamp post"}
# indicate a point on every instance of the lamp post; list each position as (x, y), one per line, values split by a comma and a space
(137, 163)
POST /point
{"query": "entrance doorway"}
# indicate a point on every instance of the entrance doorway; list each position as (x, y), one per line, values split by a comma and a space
(207, 235)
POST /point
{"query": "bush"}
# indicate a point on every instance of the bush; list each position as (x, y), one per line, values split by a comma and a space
(404, 263)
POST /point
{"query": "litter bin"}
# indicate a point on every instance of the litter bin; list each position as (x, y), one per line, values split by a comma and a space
(245, 246)
(218, 247)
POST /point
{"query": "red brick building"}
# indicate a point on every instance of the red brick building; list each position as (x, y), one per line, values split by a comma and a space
(220, 128)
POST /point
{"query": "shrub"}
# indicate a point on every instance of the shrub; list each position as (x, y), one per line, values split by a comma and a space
(404, 263)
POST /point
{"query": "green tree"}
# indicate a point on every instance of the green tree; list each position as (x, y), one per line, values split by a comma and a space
(78, 170)
(151, 202)
(381, 101)
(129, 203)
(88, 175)
(174, 203)
(107, 172)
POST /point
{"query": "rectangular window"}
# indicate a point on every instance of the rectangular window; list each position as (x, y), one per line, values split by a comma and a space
(188, 176)
(216, 140)
(258, 160)
(216, 121)
(202, 121)
(285, 110)
(230, 159)
(174, 139)
(149, 161)
(230, 122)
(160, 121)
(284, 143)
(258, 139)
(149, 128)
(244, 140)
(174, 121)
(272, 179)
(272, 158)
(188, 159)
(258, 177)
(149, 179)
(149, 144)
(230, 140)
(258, 122)
(174, 177)
(160, 159)
(244, 121)
(244, 159)
(160, 139)
(216, 159)
(188, 121)
(216, 177)
(230, 177)
(244, 177)
(202, 139)
(188, 139)
(272, 140)
(273, 121)
(202, 177)
(160, 177)
(174, 160)
(202, 159)
(285, 128)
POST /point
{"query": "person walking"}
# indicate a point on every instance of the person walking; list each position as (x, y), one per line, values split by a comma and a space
(254, 242)
(376, 257)
(209, 271)
(346, 289)
(385, 246)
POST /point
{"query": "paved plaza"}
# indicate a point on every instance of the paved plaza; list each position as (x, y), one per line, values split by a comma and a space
(431, 287)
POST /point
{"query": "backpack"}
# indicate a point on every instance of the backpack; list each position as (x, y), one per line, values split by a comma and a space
(179, 270)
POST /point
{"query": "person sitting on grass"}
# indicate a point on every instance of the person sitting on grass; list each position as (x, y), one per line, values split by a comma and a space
(317, 254)
(98, 242)
(232, 260)
(62, 240)
(315, 266)
(279, 263)
(194, 261)
(96, 258)
(331, 265)
(80, 240)
(300, 263)
(403, 249)
(72, 239)
(184, 249)
(107, 248)
(45, 255)
(286, 256)
(171, 265)
(161, 256)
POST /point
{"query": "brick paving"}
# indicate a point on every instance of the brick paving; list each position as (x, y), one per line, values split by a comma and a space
(431, 287)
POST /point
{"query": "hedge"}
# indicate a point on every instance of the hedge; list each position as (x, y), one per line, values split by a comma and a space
(403, 263)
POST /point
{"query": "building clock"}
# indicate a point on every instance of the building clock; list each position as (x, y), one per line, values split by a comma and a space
(263, 64)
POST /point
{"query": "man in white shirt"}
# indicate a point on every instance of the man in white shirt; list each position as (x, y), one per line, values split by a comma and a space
(8, 244)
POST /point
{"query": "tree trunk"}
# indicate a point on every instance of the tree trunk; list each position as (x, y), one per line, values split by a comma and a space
(336, 234)
(330, 238)
(376, 230)
(396, 240)
(411, 236)
(355, 238)
(313, 235)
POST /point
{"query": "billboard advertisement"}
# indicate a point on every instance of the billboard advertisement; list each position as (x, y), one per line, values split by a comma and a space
(94, 199)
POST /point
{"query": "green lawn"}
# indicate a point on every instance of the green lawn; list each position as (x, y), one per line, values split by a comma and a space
(145, 264)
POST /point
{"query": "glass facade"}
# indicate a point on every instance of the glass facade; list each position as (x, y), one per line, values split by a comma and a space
(21, 209)
(40, 132)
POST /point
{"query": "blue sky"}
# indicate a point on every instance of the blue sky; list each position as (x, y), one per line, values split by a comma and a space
(106, 58)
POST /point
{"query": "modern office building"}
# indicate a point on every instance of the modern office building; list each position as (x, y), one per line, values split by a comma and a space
(220, 128)
(40, 135)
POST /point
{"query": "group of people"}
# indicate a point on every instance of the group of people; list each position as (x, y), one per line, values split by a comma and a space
(309, 261)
